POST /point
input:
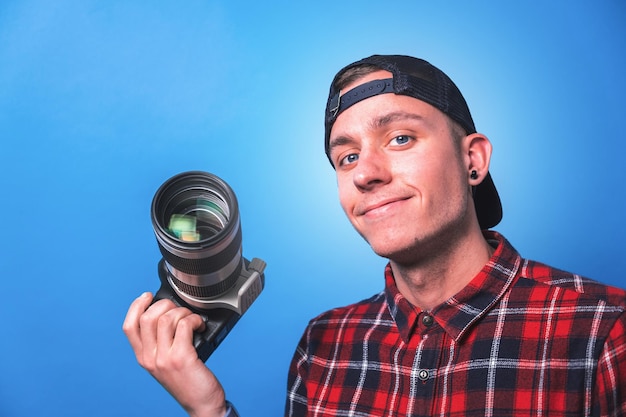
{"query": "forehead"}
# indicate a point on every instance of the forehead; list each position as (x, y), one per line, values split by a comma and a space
(382, 111)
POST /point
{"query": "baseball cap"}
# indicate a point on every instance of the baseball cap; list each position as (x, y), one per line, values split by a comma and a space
(419, 79)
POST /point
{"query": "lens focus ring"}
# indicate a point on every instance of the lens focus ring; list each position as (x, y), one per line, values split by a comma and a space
(195, 217)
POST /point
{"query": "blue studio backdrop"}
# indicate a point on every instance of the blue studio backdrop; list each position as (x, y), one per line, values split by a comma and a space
(102, 101)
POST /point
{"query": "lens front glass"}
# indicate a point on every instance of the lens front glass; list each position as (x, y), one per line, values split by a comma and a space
(198, 217)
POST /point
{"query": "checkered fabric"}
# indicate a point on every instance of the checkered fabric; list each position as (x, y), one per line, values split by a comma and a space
(522, 339)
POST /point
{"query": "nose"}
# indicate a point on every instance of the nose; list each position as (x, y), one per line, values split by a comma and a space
(372, 170)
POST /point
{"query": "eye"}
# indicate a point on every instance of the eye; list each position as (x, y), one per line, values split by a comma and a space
(349, 159)
(401, 140)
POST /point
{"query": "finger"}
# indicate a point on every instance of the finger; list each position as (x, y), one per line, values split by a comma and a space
(183, 338)
(131, 321)
(175, 350)
(148, 324)
(166, 328)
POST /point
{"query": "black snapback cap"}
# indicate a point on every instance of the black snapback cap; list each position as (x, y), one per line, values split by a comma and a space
(419, 79)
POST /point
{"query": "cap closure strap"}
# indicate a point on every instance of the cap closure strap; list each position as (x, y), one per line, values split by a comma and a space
(339, 102)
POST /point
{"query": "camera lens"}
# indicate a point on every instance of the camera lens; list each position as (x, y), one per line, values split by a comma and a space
(195, 217)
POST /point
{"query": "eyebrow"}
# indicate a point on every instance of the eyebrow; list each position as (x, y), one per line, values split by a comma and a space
(377, 123)
(339, 141)
(395, 116)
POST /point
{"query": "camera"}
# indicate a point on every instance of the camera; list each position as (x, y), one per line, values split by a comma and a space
(195, 217)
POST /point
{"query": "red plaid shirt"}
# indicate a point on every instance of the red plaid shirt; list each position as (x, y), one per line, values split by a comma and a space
(522, 339)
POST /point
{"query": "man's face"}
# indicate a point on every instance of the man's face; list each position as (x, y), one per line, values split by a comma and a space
(402, 179)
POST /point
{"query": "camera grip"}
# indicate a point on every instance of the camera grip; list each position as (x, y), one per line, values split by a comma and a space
(218, 322)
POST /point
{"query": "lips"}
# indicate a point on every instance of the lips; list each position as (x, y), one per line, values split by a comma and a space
(371, 208)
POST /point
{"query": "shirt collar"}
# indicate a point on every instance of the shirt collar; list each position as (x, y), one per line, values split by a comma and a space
(458, 313)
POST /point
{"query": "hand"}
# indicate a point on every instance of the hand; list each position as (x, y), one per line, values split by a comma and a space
(161, 336)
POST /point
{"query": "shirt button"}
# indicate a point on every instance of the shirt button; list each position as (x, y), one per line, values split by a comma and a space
(428, 320)
(423, 374)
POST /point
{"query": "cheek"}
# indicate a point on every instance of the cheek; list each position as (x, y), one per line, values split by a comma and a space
(346, 196)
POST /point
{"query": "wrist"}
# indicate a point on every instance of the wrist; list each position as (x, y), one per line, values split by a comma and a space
(227, 409)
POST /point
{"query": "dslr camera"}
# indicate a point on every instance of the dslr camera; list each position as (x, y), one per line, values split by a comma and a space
(195, 217)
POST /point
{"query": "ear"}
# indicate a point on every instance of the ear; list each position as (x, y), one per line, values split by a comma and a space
(478, 156)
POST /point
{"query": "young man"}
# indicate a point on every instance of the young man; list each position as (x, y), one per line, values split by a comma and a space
(464, 326)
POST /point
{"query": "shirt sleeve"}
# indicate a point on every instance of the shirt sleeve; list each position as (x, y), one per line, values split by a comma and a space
(610, 389)
(296, 404)
(231, 411)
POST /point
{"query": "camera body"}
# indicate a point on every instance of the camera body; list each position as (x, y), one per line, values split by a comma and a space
(195, 217)
(222, 313)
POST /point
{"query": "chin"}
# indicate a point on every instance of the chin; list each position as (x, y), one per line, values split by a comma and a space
(393, 250)
(403, 256)
(410, 250)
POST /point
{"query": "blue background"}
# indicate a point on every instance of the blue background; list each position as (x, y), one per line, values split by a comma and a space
(102, 101)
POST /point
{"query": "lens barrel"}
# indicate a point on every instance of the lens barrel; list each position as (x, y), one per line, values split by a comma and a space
(195, 216)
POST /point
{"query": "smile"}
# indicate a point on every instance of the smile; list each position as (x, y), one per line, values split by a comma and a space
(381, 208)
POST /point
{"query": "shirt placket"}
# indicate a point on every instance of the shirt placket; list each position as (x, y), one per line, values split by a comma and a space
(429, 337)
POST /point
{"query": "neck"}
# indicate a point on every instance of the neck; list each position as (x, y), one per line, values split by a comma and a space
(440, 274)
